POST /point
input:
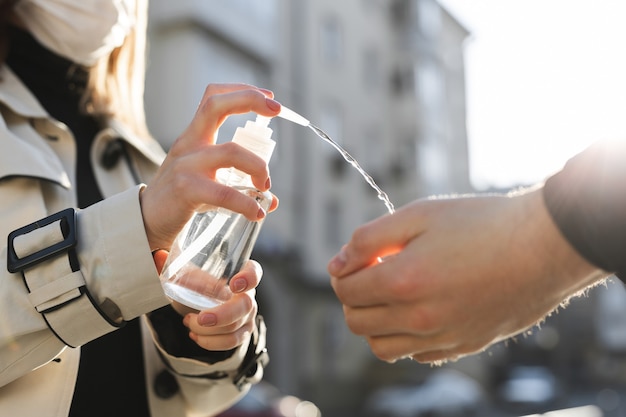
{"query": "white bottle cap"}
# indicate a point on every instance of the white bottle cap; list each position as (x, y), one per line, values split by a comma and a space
(256, 137)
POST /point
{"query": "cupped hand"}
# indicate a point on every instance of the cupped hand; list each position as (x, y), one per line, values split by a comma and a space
(230, 324)
(185, 182)
(457, 275)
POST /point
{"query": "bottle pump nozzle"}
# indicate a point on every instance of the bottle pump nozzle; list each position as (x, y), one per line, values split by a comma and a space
(292, 116)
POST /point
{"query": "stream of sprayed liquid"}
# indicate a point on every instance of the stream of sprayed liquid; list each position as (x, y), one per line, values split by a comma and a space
(350, 159)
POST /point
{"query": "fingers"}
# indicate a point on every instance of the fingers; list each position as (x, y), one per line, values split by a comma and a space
(423, 349)
(394, 348)
(231, 154)
(225, 326)
(193, 177)
(222, 88)
(395, 280)
(390, 320)
(191, 165)
(221, 100)
(159, 256)
(247, 278)
(274, 204)
(231, 323)
(208, 160)
(224, 341)
(377, 239)
(214, 194)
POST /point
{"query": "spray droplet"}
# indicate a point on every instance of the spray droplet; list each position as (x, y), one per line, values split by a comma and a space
(350, 159)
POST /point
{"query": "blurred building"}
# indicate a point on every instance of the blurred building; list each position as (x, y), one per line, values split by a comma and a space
(385, 79)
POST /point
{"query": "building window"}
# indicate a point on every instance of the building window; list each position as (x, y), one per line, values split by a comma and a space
(430, 84)
(333, 224)
(331, 122)
(264, 11)
(371, 68)
(373, 148)
(429, 18)
(403, 80)
(400, 12)
(331, 40)
(432, 161)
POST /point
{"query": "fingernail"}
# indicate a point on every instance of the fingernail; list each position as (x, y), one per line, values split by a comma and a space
(260, 214)
(207, 319)
(239, 285)
(268, 183)
(338, 262)
(272, 104)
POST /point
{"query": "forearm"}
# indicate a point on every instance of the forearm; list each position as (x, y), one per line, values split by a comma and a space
(116, 258)
(562, 271)
(112, 269)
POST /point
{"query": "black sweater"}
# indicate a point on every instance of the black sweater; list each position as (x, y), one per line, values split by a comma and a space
(587, 200)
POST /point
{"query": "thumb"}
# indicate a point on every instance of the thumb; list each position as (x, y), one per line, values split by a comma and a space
(385, 236)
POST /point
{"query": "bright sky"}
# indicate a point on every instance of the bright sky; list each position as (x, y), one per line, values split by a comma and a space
(545, 78)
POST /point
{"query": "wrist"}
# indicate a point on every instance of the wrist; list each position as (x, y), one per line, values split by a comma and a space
(566, 268)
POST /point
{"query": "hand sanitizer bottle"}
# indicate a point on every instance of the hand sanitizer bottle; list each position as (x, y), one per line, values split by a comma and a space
(214, 245)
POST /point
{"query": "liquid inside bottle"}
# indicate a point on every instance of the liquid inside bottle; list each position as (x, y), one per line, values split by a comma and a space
(211, 249)
(214, 245)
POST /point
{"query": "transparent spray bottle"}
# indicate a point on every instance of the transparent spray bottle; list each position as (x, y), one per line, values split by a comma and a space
(214, 245)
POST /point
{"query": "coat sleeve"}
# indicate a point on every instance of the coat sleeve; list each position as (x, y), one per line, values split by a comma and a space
(587, 200)
(47, 305)
(186, 377)
(119, 274)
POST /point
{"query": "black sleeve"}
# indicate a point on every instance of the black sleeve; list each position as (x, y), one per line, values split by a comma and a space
(587, 201)
(174, 337)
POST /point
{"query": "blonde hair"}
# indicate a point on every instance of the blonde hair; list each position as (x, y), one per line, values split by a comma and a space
(116, 83)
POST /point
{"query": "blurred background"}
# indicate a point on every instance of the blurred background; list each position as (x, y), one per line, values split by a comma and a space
(430, 97)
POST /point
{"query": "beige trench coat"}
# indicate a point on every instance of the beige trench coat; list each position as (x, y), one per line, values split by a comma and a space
(37, 370)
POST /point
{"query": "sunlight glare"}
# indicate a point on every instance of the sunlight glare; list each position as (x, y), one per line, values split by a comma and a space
(544, 81)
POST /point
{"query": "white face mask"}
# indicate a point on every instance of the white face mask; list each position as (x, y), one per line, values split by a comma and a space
(80, 30)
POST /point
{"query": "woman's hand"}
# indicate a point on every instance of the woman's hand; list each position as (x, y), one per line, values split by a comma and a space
(227, 325)
(185, 182)
(230, 324)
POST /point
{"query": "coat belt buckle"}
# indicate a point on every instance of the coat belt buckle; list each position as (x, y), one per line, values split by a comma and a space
(68, 228)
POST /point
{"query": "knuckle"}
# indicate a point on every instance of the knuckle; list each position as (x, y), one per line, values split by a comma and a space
(222, 194)
(421, 321)
(256, 268)
(360, 238)
(249, 304)
(239, 336)
(403, 287)
(230, 147)
(208, 104)
(210, 91)
(182, 180)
